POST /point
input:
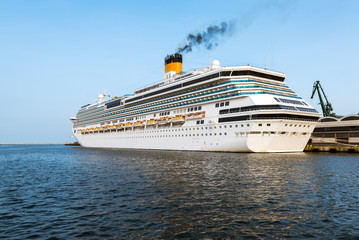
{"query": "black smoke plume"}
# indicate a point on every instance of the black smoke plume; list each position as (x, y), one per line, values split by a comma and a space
(208, 38)
(211, 36)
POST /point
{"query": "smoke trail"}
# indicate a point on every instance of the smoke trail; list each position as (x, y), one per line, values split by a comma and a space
(208, 38)
(211, 36)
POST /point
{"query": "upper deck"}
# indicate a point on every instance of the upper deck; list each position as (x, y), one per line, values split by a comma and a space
(198, 77)
(185, 89)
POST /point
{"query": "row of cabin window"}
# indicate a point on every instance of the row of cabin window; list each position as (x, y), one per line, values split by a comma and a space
(163, 114)
(220, 134)
(190, 129)
(194, 109)
(212, 134)
(295, 125)
(182, 135)
(188, 135)
(222, 104)
(140, 117)
(188, 110)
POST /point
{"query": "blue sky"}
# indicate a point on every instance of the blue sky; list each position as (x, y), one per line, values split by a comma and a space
(56, 56)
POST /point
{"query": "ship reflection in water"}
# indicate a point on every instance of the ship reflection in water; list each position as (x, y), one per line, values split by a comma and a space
(91, 193)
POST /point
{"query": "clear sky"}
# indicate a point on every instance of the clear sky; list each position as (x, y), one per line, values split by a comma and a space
(56, 56)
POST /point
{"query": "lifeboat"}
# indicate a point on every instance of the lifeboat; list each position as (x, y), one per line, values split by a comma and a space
(120, 125)
(138, 124)
(178, 119)
(198, 115)
(163, 120)
(129, 124)
(151, 122)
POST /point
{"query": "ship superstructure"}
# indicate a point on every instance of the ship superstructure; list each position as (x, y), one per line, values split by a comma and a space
(239, 109)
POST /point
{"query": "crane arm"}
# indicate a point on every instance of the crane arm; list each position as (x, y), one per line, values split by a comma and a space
(315, 88)
(326, 106)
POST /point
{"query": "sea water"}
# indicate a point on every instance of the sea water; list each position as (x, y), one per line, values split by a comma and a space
(58, 192)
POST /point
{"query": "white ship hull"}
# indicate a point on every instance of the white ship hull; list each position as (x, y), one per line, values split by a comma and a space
(225, 137)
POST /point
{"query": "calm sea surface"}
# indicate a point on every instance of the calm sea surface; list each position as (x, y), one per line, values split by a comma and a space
(57, 192)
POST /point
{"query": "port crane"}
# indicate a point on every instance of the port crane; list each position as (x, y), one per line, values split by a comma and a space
(326, 107)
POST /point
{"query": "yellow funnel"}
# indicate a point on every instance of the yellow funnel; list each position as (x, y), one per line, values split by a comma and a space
(173, 63)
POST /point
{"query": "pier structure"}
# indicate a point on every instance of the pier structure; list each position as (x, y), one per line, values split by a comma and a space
(335, 134)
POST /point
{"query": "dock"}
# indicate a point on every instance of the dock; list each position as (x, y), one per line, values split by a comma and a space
(73, 144)
(333, 148)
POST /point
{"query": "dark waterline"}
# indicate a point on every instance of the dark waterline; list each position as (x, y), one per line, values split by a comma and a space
(75, 193)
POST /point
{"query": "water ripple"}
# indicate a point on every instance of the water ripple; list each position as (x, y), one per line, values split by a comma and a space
(55, 192)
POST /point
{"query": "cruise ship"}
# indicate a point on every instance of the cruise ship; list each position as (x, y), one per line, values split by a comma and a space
(216, 108)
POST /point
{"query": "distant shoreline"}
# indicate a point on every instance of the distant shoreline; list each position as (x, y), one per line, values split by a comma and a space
(32, 143)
